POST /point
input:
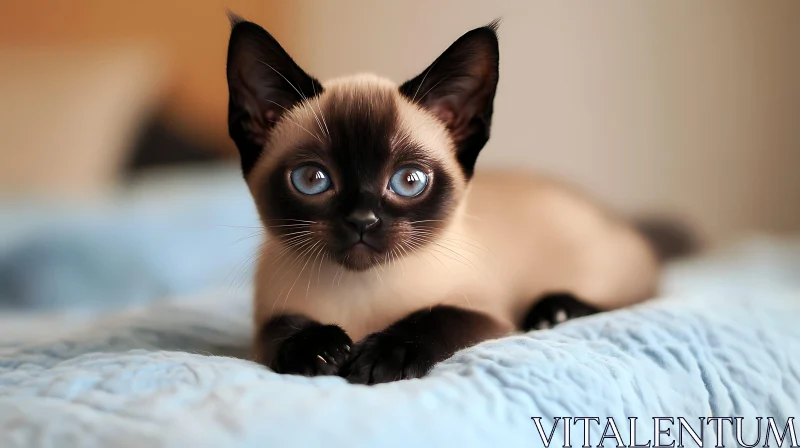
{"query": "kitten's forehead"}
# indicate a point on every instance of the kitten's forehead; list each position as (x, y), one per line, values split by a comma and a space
(360, 82)
(373, 94)
(361, 120)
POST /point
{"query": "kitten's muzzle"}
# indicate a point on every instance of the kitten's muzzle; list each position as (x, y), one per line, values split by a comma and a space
(362, 241)
(363, 220)
(364, 238)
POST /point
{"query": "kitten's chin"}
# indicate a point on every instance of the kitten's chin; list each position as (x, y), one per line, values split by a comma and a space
(360, 257)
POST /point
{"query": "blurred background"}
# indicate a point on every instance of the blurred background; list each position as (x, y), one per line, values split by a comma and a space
(117, 177)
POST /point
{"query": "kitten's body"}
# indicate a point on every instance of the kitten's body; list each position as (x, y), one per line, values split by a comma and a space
(494, 258)
(386, 254)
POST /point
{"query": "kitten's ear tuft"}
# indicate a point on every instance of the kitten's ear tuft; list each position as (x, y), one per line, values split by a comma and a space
(459, 88)
(234, 18)
(263, 84)
(494, 25)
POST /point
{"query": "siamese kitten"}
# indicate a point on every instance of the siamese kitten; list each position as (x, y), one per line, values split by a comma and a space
(386, 251)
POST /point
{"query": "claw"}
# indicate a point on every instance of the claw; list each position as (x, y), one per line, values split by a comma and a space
(330, 359)
(322, 359)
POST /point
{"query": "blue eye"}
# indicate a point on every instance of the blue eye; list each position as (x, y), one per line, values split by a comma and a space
(310, 179)
(408, 182)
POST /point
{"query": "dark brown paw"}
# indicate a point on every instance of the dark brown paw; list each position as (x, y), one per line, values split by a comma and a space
(316, 350)
(383, 357)
(554, 309)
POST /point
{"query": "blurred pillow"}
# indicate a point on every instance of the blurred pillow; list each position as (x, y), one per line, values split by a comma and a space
(169, 233)
(67, 116)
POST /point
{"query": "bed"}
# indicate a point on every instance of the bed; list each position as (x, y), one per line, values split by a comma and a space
(155, 354)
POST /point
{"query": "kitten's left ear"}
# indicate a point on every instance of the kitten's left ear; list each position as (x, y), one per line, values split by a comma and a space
(459, 88)
(264, 83)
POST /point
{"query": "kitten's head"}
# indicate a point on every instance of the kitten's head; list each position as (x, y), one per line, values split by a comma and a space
(359, 169)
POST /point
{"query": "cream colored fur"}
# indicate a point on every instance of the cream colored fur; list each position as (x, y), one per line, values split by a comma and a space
(513, 238)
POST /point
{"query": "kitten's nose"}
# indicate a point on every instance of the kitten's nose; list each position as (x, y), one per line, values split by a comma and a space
(363, 219)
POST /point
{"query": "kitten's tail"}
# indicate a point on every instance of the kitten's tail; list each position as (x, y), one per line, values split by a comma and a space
(671, 238)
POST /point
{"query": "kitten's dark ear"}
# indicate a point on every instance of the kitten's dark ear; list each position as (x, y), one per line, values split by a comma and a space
(263, 83)
(459, 88)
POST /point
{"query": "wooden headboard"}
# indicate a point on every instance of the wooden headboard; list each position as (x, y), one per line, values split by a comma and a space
(192, 35)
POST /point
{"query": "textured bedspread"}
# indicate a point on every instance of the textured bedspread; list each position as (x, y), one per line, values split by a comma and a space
(723, 342)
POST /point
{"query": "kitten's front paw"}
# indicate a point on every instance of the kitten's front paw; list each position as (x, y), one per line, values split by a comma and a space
(383, 357)
(316, 350)
(555, 309)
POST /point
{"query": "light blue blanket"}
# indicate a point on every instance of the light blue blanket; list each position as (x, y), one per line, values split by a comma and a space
(723, 341)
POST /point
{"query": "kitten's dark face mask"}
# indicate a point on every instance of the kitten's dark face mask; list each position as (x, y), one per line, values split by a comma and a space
(366, 191)
(360, 171)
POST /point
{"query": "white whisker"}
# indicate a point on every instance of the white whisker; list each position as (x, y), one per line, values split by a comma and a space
(322, 114)
(293, 220)
(410, 248)
(295, 89)
(246, 238)
(468, 262)
(338, 271)
(283, 308)
(423, 80)
(321, 262)
(298, 247)
(434, 86)
(339, 282)
(469, 304)
(297, 261)
(289, 225)
(422, 249)
(311, 272)
(286, 116)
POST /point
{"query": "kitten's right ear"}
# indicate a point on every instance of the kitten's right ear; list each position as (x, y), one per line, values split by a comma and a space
(459, 89)
(263, 83)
